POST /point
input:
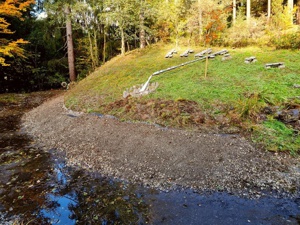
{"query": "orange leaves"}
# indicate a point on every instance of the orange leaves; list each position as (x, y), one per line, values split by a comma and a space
(215, 25)
(11, 8)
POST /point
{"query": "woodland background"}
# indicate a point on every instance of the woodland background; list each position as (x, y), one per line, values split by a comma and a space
(44, 43)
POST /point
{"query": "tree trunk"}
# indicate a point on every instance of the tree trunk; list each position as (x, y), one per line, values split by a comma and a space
(233, 11)
(269, 10)
(298, 13)
(290, 8)
(91, 50)
(104, 44)
(122, 41)
(96, 48)
(71, 57)
(248, 16)
(142, 27)
(200, 19)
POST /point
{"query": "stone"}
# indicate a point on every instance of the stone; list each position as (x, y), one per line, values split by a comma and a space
(185, 53)
(170, 53)
(135, 91)
(288, 116)
(222, 52)
(296, 85)
(206, 51)
(251, 59)
(226, 57)
(275, 65)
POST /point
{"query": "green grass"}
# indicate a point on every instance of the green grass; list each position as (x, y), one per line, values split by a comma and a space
(244, 87)
(277, 136)
(8, 98)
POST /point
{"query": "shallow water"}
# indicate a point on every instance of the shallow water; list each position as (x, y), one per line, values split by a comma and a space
(36, 186)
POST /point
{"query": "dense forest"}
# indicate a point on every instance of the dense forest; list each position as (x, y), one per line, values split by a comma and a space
(47, 42)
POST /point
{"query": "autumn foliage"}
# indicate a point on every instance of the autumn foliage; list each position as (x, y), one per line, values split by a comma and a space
(11, 8)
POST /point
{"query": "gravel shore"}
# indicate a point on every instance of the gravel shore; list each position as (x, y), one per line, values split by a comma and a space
(161, 158)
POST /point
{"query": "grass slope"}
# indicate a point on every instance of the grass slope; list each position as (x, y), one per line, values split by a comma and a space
(241, 89)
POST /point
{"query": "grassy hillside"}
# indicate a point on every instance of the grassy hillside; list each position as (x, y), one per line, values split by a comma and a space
(234, 94)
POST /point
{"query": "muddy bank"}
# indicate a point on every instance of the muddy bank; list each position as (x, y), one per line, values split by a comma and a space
(161, 158)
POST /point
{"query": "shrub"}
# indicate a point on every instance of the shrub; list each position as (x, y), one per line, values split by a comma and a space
(244, 33)
(287, 41)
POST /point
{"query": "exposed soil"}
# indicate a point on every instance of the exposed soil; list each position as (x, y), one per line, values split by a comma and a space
(160, 157)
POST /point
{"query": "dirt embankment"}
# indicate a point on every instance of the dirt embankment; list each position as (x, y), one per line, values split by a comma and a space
(163, 158)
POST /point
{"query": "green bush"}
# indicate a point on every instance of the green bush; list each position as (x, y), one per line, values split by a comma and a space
(244, 33)
(287, 41)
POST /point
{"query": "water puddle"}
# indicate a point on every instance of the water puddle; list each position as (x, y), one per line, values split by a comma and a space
(37, 187)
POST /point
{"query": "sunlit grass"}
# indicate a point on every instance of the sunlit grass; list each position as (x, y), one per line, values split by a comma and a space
(277, 136)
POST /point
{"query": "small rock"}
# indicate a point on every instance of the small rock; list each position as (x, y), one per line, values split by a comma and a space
(296, 85)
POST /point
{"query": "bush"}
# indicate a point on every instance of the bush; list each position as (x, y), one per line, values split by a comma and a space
(287, 41)
(244, 33)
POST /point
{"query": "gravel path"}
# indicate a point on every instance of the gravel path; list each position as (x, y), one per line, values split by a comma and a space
(162, 158)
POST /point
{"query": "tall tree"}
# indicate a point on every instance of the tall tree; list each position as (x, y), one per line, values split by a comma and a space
(88, 16)
(142, 32)
(60, 10)
(248, 16)
(71, 57)
(123, 15)
(200, 18)
(290, 6)
(233, 11)
(298, 12)
(11, 8)
(269, 10)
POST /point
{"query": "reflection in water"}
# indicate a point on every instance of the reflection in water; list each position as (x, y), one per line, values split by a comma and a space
(38, 187)
(84, 198)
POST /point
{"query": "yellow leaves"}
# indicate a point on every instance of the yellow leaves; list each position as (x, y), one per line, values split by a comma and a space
(14, 7)
(11, 8)
(11, 49)
(4, 27)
